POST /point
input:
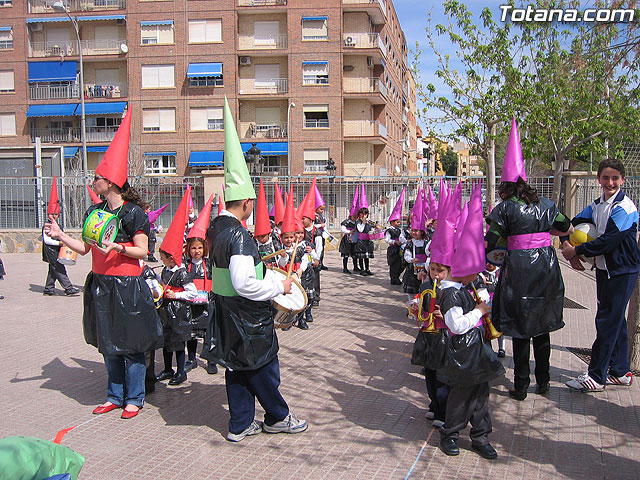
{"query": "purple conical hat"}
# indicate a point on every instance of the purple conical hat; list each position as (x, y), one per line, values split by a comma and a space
(272, 210)
(426, 206)
(433, 205)
(513, 167)
(396, 214)
(355, 202)
(469, 256)
(364, 203)
(461, 221)
(456, 202)
(442, 193)
(319, 200)
(442, 244)
(417, 218)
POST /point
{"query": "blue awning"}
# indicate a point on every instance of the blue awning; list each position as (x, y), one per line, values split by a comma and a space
(54, 71)
(55, 110)
(158, 154)
(70, 152)
(206, 159)
(315, 63)
(268, 148)
(204, 70)
(6, 29)
(314, 18)
(102, 108)
(102, 17)
(47, 19)
(81, 19)
(157, 22)
(101, 149)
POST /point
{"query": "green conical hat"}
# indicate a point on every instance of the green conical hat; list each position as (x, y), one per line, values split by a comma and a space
(237, 181)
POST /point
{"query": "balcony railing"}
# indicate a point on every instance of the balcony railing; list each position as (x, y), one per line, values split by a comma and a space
(44, 6)
(261, 3)
(316, 123)
(364, 85)
(109, 90)
(46, 91)
(275, 170)
(72, 134)
(263, 130)
(364, 128)
(262, 42)
(69, 48)
(263, 86)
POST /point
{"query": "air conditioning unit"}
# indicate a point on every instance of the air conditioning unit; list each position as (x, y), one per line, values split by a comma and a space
(370, 62)
(120, 21)
(245, 60)
(36, 27)
(349, 42)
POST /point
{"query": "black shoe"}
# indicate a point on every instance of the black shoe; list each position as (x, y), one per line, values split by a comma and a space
(165, 375)
(322, 267)
(346, 270)
(49, 293)
(188, 366)
(309, 318)
(368, 272)
(71, 291)
(151, 258)
(315, 303)
(501, 353)
(518, 394)
(212, 368)
(542, 389)
(363, 273)
(302, 324)
(1, 297)
(178, 378)
(450, 446)
(396, 282)
(485, 451)
(356, 269)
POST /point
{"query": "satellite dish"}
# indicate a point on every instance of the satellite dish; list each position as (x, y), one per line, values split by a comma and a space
(397, 169)
(124, 48)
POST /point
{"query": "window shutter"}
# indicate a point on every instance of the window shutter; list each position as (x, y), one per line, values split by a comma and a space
(198, 119)
(166, 76)
(165, 33)
(8, 124)
(315, 108)
(316, 155)
(213, 31)
(197, 31)
(149, 76)
(7, 83)
(150, 119)
(167, 119)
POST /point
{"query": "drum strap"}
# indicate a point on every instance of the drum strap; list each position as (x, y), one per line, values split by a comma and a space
(221, 280)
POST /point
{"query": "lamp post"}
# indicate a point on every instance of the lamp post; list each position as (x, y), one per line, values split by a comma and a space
(59, 6)
(254, 159)
(331, 169)
(291, 104)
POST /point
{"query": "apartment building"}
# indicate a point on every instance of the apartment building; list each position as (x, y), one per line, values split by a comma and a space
(467, 164)
(306, 81)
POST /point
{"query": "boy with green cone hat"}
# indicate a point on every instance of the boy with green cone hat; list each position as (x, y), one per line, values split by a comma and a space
(243, 337)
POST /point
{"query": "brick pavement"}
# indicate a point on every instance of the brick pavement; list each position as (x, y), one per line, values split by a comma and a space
(349, 376)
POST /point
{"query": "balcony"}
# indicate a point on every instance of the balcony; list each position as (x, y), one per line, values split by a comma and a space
(262, 42)
(48, 91)
(365, 41)
(363, 85)
(72, 134)
(70, 48)
(261, 3)
(275, 170)
(44, 6)
(376, 9)
(269, 130)
(116, 90)
(251, 86)
(365, 128)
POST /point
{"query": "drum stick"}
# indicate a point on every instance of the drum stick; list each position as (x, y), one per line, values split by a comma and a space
(271, 255)
(293, 257)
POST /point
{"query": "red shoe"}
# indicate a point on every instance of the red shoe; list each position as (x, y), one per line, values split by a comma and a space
(105, 408)
(129, 414)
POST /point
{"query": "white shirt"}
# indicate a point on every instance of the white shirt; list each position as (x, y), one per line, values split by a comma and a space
(391, 241)
(601, 214)
(50, 241)
(455, 318)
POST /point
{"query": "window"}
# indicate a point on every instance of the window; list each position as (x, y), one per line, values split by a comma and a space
(315, 73)
(206, 81)
(7, 124)
(158, 76)
(314, 28)
(266, 75)
(7, 83)
(315, 160)
(207, 119)
(205, 31)
(159, 120)
(266, 33)
(6, 38)
(103, 121)
(5, 3)
(316, 116)
(161, 163)
(159, 32)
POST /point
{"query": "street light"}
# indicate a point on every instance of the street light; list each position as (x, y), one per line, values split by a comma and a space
(59, 6)
(254, 159)
(331, 169)
(289, 143)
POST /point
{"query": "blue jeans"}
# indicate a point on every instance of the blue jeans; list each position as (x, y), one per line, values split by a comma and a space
(126, 379)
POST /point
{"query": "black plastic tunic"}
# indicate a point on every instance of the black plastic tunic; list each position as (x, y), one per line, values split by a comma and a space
(530, 291)
(175, 314)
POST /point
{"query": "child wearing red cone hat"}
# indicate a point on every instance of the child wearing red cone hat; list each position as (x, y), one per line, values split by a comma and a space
(179, 291)
(51, 249)
(267, 242)
(119, 318)
(313, 238)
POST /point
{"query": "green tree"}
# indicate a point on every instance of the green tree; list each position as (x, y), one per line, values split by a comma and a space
(449, 160)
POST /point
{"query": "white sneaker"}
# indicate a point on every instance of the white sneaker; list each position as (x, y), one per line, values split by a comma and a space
(290, 424)
(626, 379)
(254, 429)
(585, 384)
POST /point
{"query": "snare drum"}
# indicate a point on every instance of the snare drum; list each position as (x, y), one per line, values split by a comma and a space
(100, 227)
(496, 256)
(288, 306)
(67, 256)
(156, 291)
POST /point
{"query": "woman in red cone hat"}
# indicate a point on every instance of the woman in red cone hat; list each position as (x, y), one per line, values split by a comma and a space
(119, 314)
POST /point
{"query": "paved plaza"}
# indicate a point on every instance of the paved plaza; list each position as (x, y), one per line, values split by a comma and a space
(350, 376)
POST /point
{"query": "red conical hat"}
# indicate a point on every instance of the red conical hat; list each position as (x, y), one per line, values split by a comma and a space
(174, 239)
(94, 197)
(199, 229)
(221, 205)
(262, 224)
(279, 205)
(54, 203)
(308, 206)
(113, 166)
(289, 219)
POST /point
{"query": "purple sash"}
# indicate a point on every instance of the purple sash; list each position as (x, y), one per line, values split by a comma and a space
(529, 240)
(371, 236)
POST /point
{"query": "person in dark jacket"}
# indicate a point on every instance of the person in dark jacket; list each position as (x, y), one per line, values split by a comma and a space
(617, 263)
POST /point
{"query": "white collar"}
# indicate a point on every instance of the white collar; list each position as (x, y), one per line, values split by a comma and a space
(450, 283)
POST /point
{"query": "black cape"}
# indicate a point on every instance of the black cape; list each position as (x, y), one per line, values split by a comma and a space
(175, 314)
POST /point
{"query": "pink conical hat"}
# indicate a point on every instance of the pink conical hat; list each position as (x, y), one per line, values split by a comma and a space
(469, 256)
(442, 245)
(442, 193)
(456, 202)
(433, 205)
(513, 167)
(355, 202)
(319, 200)
(417, 217)
(426, 207)
(396, 214)
(364, 203)
(461, 221)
